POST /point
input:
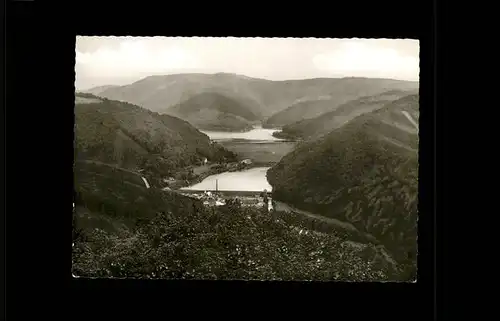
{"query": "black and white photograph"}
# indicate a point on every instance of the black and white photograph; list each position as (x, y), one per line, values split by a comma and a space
(263, 159)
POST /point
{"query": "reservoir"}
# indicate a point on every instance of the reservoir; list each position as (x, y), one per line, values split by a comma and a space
(256, 134)
(260, 147)
(253, 179)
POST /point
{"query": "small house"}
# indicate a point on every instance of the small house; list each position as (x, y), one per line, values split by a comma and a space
(269, 206)
(168, 179)
(205, 161)
(246, 161)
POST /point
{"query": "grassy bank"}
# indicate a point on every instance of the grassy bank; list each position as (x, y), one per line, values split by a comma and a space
(261, 153)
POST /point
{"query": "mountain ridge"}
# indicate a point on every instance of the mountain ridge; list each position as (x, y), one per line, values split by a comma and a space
(264, 97)
(212, 111)
(328, 121)
(311, 108)
(98, 89)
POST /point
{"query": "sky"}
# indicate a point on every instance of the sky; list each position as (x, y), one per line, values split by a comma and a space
(123, 60)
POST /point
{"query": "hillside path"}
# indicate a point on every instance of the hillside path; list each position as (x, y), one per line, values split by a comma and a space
(412, 121)
(280, 206)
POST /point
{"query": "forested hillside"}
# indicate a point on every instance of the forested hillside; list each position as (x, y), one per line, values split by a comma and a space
(338, 116)
(212, 111)
(311, 108)
(365, 173)
(135, 138)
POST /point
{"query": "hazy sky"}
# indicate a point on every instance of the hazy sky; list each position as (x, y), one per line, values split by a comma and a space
(123, 60)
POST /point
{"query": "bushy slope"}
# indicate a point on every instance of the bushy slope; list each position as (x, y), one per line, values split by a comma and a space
(212, 111)
(365, 173)
(121, 194)
(262, 97)
(326, 122)
(123, 230)
(135, 138)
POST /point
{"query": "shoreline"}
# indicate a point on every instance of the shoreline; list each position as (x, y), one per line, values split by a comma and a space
(215, 169)
(218, 170)
(231, 130)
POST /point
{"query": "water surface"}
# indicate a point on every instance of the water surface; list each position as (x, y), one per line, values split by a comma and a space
(253, 179)
(256, 134)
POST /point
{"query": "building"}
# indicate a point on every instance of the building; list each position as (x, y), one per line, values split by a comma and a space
(168, 179)
(269, 206)
(246, 161)
(205, 161)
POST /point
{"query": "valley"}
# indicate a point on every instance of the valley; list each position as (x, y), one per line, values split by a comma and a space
(338, 158)
(265, 151)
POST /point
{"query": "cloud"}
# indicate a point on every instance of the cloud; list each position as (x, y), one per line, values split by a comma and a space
(122, 60)
(91, 44)
(134, 57)
(368, 60)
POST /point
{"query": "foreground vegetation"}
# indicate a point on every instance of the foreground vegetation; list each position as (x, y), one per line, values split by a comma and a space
(220, 243)
(124, 230)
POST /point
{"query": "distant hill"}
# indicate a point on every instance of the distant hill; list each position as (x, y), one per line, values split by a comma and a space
(301, 110)
(213, 111)
(326, 122)
(365, 173)
(315, 106)
(135, 138)
(263, 97)
(98, 90)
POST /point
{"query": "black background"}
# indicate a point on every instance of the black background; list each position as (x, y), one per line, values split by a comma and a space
(40, 57)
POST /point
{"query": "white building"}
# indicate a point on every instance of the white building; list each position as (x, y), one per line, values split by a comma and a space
(246, 161)
(269, 205)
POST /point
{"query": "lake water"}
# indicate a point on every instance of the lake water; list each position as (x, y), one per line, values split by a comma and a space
(253, 179)
(257, 144)
(256, 134)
